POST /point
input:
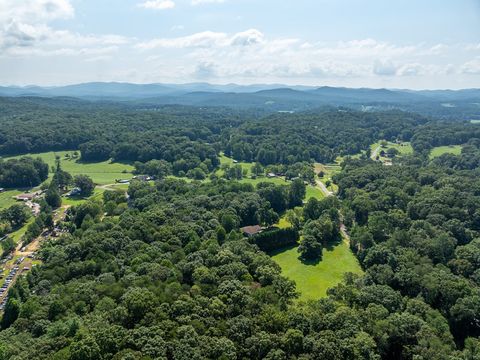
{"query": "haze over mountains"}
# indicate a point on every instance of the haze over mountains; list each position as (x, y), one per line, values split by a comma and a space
(270, 97)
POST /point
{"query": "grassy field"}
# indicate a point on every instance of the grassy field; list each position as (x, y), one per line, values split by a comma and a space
(404, 148)
(440, 150)
(314, 192)
(73, 201)
(313, 280)
(101, 173)
(224, 160)
(329, 170)
(6, 198)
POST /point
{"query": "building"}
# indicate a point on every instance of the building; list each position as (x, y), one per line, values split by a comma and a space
(75, 192)
(143, 177)
(2, 190)
(25, 197)
(271, 175)
(250, 231)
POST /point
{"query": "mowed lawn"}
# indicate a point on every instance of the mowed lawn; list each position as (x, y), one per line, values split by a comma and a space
(313, 280)
(440, 150)
(101, 173)
(404, 148)
(6, 198)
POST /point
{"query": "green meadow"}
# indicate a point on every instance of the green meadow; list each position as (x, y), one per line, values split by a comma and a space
(313, 279)
(6, 198)
(440, 150)
(102, 173)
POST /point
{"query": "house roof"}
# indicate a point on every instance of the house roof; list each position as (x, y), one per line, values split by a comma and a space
(28, 196)
(251, 230)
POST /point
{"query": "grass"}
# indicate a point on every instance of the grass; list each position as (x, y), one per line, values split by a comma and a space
(314, 192)
(283, 223)
(440, 150)
(77, 200)
(224, 160)
(102, 173)
(329, 170)
(16, 236)
(313, 280)
(254, 182)
(404, 148)
(6, 198)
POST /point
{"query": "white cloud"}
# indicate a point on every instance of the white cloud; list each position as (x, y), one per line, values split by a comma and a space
(157, 4)
(249, 37)
(471, 67)
(384, 68)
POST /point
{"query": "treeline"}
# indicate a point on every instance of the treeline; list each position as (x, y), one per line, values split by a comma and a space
(190, 138)
(22, 172)
(13, 218)
(292, 138)
(443, 133)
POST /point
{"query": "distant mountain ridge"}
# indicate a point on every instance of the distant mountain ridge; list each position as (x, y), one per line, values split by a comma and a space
(136, 91)
(464, 104)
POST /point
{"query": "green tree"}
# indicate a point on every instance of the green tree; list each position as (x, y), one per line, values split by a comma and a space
(85, 184)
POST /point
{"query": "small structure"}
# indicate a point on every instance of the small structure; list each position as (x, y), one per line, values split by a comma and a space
(250, 231)
(143, 177)
(122, 181)
(25, 197)
(2, 190)
(75, 192)
(271, 175)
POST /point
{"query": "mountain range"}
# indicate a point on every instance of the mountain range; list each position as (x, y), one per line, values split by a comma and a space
(269, 97)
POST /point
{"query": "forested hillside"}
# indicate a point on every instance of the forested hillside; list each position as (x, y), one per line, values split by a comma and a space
(178, 268)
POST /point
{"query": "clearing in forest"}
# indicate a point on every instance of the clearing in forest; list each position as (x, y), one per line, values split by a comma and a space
(313, 279)
(440, 150)
(104, 172)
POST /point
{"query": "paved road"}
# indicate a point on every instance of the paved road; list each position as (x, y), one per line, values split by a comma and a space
(324, 189)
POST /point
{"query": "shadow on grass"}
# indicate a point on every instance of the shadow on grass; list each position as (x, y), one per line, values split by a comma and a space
(308, 262)
(109, 161)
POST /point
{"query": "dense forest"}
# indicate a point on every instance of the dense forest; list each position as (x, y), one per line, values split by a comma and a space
(167, 271)
(23, 172)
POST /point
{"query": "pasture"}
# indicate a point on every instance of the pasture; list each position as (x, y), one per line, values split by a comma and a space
(6, 198)
(314, 279)
(102, 173)
(450, 149)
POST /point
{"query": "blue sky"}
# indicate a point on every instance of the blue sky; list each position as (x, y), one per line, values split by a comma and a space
(355, 43)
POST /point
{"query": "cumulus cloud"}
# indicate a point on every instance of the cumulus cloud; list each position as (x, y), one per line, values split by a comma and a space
(157, 4)
(26, 31)
(471, 67)
(246, 38)
(384, 68)
(205, 39)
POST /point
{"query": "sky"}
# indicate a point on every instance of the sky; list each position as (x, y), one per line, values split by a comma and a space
(415, 44)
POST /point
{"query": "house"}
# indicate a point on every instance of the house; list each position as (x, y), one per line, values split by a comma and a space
(25, 197)
(250, 231)
(122, 181)
(2, 190)
(271, 175)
